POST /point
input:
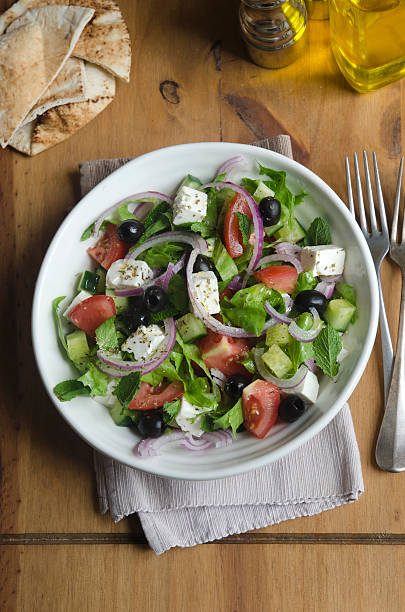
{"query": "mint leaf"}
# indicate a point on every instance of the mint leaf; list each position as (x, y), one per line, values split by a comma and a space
(233, 418)
(106, 335)
(68, 389)
(127, 388)
(171, 410)
(318, 233)
(95, 380)
(305, 282)
(245, 226)
(327, 347)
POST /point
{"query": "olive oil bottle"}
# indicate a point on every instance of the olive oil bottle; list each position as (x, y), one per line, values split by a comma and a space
(368, 41)
(274, 31)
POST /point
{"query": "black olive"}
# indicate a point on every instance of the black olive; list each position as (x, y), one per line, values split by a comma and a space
(270, 210)
(130, 231)
(291, 408)
(235, 385)
(311, 298)
(135, 318)
(202, 264)
(155, 299)
(151, 424)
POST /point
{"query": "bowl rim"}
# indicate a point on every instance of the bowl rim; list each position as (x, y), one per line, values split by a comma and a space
(315, 427)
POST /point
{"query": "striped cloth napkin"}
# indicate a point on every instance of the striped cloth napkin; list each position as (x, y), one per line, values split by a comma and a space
(322, 474)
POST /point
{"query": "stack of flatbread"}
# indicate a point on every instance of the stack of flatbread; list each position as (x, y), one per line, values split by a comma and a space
(58, 63)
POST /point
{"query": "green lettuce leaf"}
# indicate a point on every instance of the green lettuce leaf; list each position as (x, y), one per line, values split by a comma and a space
(233, 418)
(246, 308)
(58, 320)
(95, 380)
(163, 254)
(305, 282)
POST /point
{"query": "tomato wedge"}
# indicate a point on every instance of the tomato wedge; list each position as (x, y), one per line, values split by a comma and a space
(232, 233)
(91, 313)
(223, 352)
(109, 248)
(149, 397)
(282, 278)
(260, 402)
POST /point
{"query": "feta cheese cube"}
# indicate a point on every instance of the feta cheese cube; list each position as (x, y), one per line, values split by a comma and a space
(187, 418)
(80, 297)
(144, 342)
(190, 205)
(128, 274)
(205, 289)
(308, 389)
(323, 260)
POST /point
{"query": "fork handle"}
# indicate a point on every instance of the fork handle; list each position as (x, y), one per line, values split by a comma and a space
(386, 343)
(390, 449)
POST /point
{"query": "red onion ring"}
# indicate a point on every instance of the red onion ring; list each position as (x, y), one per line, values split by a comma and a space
(289, 248)
(218, 374)
(210, 322)
(257, 223)
(239, 162)
(310, 363)
(303, 335)
(113, 372)
(282, 383)
(150, 447)
(288, 301)
(137, 196)
(277, 316)
(149, 366)
(235, 284)
(326, 288)
(191, 238)
(137, 212)
(282, 257)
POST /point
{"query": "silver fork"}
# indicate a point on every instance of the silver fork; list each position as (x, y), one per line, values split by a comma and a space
(390, 450)
(378, 243)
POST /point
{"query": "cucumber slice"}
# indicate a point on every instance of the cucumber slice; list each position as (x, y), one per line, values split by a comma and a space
(262, 191)
(101, 273)
(339, 313)
(119, 416)
(295, 233)
(190, 181)
(77, 345)
(277, 361)
(121, 303)
(190, 327)
(278, 334)
(88, 282)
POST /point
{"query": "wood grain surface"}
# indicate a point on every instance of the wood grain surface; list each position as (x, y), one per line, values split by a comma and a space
(190, 81)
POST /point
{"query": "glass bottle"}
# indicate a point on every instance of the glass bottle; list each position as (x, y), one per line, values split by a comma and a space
(368, 41)
(317, 9)
(274, 30)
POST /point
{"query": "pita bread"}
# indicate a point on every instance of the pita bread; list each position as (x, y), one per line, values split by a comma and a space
(60, 122)
(105, 40)
(69, 86)
(32, 53)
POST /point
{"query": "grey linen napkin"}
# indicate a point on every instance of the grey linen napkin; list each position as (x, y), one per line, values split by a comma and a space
(322, 474)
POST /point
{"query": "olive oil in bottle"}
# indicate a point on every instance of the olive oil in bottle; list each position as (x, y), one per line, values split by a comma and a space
(368, 41)
(274, 31)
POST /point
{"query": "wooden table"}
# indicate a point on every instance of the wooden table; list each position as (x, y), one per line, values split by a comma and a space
(191, 81)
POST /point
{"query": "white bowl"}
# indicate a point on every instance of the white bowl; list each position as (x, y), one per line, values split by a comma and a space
(162, 170)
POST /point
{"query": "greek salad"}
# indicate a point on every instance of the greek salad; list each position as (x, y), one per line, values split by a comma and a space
(206, 313)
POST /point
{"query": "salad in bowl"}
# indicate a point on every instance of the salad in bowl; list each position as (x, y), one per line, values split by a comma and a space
(207, 311)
